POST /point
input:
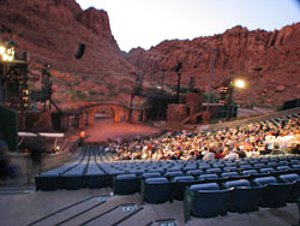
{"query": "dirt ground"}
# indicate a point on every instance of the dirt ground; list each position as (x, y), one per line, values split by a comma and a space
(105, 129)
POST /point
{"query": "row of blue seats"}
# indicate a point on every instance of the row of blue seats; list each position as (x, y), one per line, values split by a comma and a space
(161, 189)
(95, 178)
(88, 173)
(211, 199)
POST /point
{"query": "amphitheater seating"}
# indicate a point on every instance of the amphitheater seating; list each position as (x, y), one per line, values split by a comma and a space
(91, 171)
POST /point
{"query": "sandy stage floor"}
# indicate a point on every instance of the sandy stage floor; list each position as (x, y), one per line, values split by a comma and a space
(106, 129)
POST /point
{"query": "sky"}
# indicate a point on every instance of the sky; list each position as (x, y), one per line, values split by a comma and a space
(146, 23)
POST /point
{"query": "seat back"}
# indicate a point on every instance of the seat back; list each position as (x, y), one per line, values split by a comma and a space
(210, 203)
(206, 186)
(208, 176)
(125, 184)
(265, 180)
(213, 170)
(237, 183)
(151, 175)
(275, 195)
(229, 174)
(289, 177)
(195, 172)
(180, 184)
(156, 190)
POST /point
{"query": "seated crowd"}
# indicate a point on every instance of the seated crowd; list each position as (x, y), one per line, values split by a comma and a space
(247, 140)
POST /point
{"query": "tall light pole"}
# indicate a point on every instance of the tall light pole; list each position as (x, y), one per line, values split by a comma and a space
(178, 68)
(237, 83)
(211, 76)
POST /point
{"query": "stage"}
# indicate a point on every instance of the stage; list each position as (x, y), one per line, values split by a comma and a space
(105, 130)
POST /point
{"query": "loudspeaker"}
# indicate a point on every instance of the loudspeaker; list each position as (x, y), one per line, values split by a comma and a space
(80, 51)
(178, 67)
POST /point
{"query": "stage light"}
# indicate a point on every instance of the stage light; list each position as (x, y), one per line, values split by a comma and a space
(7, 54)
(239, 83)
(2, 50)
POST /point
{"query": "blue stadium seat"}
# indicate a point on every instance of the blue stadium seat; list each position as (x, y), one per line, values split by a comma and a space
(156, 190)
(172, 174)
(180, 183)
(230, 168)
(214, 170)
(125, 184)
(229, 174)
(151, 175)
(48, 181)
(195, 172)
(276, 193)
(294, 193)
(205, 200)
(72, 180)
(245, 197)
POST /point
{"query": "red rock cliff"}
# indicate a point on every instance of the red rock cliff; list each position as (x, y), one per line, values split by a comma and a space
(268, 60)
(52, 30)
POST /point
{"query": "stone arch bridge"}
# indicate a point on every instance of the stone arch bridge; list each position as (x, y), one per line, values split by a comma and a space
(85, 115)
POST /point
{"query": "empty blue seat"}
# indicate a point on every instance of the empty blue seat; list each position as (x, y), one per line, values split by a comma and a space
(208, 176)
(272, 164)
(282, 168)
(230, 168)
(283, 163)
(206, 186)
(265, 180)
(180, 183)
(267, 170)
(275, 194)
(95, 180)
(205, 200)
(214, 170)
(195, 172)
(156, 190)
(229, 174)
(246, 167)
(294, 193)
(237, 183)
(173, 174)
(125, 184)
(72, 179)
(259, 165)
(137, 171)
(48, 181)
(291, 177)
(151, 175)
(190, 167)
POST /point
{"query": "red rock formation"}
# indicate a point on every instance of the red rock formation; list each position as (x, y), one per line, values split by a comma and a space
(52, 30)
(269, 61)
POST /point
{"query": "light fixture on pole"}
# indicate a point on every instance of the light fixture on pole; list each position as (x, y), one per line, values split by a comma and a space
(7, 54)
(237, 83)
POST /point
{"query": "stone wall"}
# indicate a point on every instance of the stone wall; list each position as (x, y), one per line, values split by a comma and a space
(176, 112)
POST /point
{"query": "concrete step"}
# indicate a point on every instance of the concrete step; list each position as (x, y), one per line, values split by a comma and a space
(16, 189)
(144, 217)
(69, 211)
(114, 215)
(109, 206)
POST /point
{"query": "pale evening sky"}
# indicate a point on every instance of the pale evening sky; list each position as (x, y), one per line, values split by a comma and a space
(146, 23)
